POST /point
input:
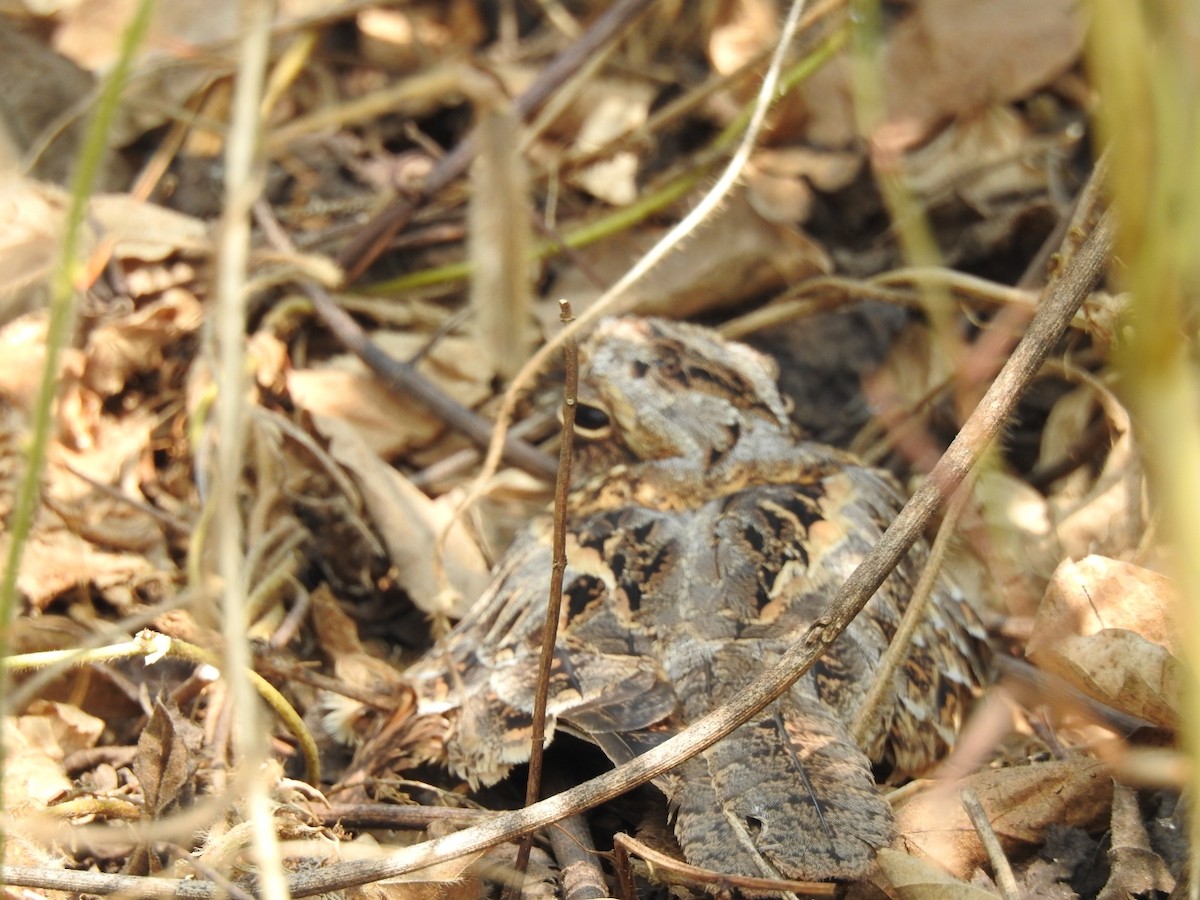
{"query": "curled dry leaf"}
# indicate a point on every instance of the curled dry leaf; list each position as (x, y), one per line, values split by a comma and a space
(1109, 628)
(1104, 514)
(1020, 801)
(138, 342)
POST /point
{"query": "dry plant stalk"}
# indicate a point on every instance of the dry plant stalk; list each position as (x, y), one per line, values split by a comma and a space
(562, 486)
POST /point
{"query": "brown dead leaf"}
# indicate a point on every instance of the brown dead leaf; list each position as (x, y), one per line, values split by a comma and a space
(1017, 548)
(31, 217)
(623, 108)
(736, 256)
(401, 40)
(950, 57)
(167, 759)
(35, 745)
(743, 29)
(72, 728)
(1109, 628)
(389, 422)
(947, 59)
(1021, 801)
(145, 231)
(982, 159)
(56, 561)
(136, 343)
(362, 672)
(22, 355)
(1105, 514)
(917, 879)
(410, 525)
(780, 181)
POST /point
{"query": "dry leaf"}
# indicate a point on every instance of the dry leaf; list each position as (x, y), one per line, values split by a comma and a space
(1109, 628)
(168, 756)
(624, 108)
(950, 57)
(736, 256)
(1017, 549)
(362, 672)
(138, 342)
(31, 217)
(916, 879)
(780, 181)
(1108, 517)
(982, 159)
(390, 422)
(410, 525)
(35, 745)
(56, 561)
(743, 30)
(146, 231)
(402, 40)
(1020, 801)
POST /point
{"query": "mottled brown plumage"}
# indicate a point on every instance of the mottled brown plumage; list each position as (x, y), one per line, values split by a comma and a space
(705, 536)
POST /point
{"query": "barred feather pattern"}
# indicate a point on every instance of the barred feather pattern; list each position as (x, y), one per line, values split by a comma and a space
(705, 537)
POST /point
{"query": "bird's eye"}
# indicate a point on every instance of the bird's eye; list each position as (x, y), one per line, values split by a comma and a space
(591, 421)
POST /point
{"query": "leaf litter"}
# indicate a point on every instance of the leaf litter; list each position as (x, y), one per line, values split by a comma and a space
(344, 497)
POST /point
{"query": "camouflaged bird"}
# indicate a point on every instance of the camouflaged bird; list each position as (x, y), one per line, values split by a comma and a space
(704, 537)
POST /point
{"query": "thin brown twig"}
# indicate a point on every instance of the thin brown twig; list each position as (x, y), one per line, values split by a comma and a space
(562, 485)
(1005, 880)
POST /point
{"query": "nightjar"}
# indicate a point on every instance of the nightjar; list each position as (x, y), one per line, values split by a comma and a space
(704, 537)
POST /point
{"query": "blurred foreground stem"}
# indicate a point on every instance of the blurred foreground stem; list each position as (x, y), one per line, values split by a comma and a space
(1144, 63)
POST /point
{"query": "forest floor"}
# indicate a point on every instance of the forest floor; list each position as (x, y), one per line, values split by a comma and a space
(428, 179)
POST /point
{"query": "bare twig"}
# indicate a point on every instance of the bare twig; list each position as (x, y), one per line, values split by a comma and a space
(1005, 880)
(562, 485)
(574, 850)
